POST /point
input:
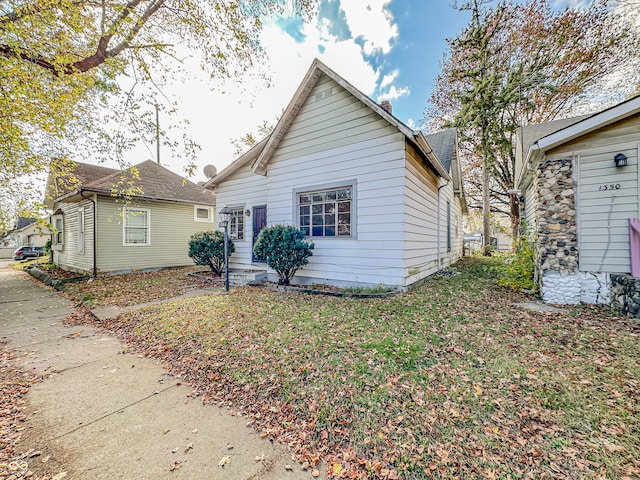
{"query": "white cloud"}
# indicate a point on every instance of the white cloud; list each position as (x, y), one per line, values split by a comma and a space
(217, 117)
(394, 93)
(389, 78)
(372, 22)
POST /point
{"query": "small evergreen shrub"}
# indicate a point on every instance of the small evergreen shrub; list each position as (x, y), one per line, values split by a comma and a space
(519, 265)
(207, 248)
(285, 249)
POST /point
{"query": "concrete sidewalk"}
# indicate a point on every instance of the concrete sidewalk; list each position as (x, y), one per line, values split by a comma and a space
(104, 414)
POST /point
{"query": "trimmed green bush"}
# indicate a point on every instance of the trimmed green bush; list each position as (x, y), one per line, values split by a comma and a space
(207, 248)
(285, 249)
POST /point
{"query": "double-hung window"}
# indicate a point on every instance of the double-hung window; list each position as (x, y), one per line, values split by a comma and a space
(236, 224)
(326, 213)
(58, 225)
(136, 226)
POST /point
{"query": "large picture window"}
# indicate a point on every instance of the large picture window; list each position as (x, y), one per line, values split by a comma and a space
(236, 224)
(136, 225)
(326, 213)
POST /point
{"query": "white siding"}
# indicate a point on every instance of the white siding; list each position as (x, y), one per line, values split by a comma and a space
(530, 207)
(421, 221)
(335, 140)
(603, 231)
(243, 189)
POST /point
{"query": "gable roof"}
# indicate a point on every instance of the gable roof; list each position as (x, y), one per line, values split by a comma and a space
(154, 181)
(262, 152)
(530, 134)
(444, 145)
(538, 139)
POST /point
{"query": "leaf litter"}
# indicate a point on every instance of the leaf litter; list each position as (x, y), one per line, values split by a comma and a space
(448, 381)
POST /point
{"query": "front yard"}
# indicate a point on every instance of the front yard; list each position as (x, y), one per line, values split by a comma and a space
(449, 381)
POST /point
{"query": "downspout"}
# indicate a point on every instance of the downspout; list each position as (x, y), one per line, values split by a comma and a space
(94, 273)
(438, 223)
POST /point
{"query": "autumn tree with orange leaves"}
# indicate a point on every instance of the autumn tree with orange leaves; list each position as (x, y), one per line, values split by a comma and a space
(519, 64)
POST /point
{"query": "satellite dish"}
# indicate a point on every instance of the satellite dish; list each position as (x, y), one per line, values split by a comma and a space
(210, 171)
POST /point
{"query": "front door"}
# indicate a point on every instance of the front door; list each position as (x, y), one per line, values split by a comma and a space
(259, 222)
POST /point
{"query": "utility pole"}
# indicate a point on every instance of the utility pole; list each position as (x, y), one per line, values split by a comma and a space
(157, 134)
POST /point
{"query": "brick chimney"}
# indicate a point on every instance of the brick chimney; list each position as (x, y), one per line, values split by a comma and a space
(387, 106)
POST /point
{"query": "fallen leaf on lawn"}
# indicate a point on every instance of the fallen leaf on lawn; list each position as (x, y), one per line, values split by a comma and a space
(174, 466)
(260, 457)
(195, 430)
(229, 447)
(45, 459)
(166, 430)
(337, 468)
(60, 476)
(226, 460)
(315, 473)
(174, 450)
(188, 447)
(478, 390)
(288, 467)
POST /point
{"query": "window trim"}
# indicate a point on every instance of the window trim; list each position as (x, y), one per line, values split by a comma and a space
(352, 184)
(238, 210)
(125, 210)
(208, 208)
(58, 237)
(81, 227)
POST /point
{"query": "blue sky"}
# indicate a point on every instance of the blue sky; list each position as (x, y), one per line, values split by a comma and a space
(389, 49)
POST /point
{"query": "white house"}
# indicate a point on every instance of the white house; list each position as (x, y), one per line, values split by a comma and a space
(579, 179)
(381, 202)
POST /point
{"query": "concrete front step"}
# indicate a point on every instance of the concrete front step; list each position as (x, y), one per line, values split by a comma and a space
(239, 278)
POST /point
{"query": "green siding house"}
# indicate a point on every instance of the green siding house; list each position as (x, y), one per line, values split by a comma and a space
(108, 220)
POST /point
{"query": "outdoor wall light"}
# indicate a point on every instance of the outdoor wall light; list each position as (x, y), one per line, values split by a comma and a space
(620, 160)
(248, 213)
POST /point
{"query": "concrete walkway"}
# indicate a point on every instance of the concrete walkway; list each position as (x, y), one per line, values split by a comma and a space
(100, 413)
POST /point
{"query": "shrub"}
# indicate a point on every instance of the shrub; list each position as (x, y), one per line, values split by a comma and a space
(519, 265)
(284, 249)
(207, 248)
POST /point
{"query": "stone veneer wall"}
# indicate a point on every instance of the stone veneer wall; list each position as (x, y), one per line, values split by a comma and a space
(625, 294)
(559, 279)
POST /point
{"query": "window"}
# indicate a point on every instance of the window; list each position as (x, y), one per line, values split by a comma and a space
(136, 226)
(81, 230)
(236, 224)
(202, 213)
(326, 213)
(58, 224)
(448, 226)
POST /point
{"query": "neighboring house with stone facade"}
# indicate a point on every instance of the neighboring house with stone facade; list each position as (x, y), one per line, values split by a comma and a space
(579, 178)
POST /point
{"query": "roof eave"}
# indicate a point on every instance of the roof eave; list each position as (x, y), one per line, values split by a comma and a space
(590, 124)
(430, 155)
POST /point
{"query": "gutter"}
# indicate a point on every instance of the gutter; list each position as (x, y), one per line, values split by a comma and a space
(94, 272)
(438, 224)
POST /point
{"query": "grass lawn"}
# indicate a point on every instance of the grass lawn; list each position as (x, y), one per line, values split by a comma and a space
(134, 288)
(448, 381)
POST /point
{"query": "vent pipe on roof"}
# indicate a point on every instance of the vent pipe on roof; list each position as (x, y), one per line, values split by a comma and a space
(386, 106)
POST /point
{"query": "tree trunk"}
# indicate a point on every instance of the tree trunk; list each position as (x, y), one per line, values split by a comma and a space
(486, 210)
(514, 215)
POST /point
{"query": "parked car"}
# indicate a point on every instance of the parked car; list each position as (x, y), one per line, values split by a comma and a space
(28, 252)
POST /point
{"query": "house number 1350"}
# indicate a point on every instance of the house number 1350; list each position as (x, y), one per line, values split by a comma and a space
(610, 186)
